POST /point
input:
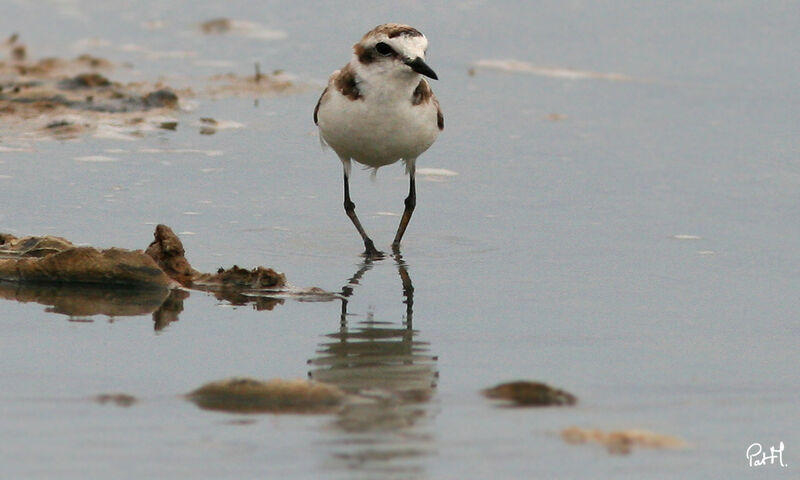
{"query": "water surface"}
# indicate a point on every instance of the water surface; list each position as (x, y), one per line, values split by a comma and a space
(633, 242)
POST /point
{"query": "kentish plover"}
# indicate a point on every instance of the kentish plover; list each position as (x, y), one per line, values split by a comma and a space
(378, 109)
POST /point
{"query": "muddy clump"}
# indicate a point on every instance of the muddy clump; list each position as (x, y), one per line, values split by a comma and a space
(56, 260)
(11, 246)
(621, 441)
(168, 252)
(247, 395)
(67, 98)
(118, 399)
(84, 81)
(52, 85)
(530, 394)
(84, 281)
(163, 98)
(237, 278)
(217, 26)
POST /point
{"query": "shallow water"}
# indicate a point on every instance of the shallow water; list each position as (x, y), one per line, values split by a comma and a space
(632, 242)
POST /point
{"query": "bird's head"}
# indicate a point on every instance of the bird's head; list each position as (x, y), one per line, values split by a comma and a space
(395, 49)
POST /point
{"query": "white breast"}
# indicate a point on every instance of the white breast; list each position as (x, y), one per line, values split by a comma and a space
(380, 127)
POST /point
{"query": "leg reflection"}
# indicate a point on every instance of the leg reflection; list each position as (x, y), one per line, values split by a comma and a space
(375, 358)
(408, 288)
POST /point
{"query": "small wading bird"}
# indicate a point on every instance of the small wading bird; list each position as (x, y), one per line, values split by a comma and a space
(379, 109)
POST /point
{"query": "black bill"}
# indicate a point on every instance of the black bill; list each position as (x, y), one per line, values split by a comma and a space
(419, 66)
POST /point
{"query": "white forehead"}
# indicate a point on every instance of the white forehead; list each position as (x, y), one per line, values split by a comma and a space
(416, 44)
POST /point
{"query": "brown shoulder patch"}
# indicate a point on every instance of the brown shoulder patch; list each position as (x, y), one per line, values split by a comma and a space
(316, 109)
(346, 83)
(422, 94)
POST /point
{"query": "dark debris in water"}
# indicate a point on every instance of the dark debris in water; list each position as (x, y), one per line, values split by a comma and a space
(532, 394)
(167, 250)
(84, 281)
(208, 126)
(118, 399)
(216, 26)
(56, 260)
(84, 81)
(163, 98)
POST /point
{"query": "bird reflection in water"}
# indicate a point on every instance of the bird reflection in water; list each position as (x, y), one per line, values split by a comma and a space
(389, 368)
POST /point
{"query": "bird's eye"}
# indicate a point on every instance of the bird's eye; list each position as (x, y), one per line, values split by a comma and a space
(384, 49)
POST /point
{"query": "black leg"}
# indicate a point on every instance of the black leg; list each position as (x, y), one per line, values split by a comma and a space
(350, 210)
(411, 202)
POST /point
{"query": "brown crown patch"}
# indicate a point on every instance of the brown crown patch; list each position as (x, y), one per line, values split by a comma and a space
(393, 30)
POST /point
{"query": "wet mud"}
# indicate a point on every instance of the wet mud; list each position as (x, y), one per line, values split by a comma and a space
(68, 98)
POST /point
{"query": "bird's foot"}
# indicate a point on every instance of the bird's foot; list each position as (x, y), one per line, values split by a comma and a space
(373, 254)
(371, 251)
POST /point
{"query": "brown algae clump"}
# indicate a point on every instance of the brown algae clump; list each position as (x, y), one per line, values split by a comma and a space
(45, 262)
(621, 441)
(167, 251)
(118, 399)
(259, 278)
(84, 80)
(216, 26)
(525, 393)
(247, 395)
